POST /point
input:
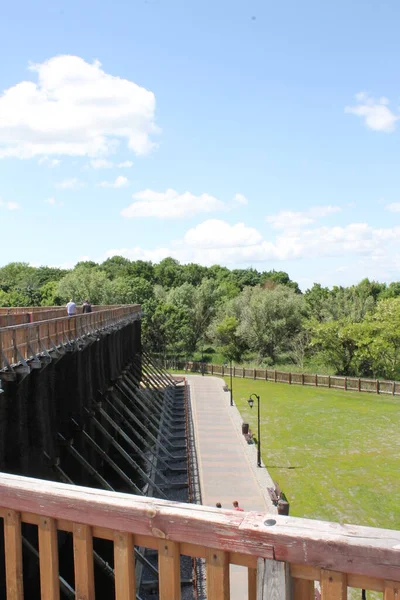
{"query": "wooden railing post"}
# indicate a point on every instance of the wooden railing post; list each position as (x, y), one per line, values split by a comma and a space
(272, 580)
(83, 561)
(252, 584)
(124, 566)
(377, 386)
(217, 566)
(169, 572)
(48, 559)
(13, 555)
(333, 585)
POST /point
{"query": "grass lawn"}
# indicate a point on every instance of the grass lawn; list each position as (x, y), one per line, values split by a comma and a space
(335, 454)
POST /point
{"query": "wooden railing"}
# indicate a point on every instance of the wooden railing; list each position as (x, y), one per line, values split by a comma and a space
(353, 384)
(273, 548)
(30, 339)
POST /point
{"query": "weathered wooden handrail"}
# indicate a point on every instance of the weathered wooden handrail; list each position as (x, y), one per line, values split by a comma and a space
(338, 556)
(22, 342)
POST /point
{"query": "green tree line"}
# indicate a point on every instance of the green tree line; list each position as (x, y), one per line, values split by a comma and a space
(192, 311)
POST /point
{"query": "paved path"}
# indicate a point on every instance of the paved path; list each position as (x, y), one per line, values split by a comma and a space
(227, 464)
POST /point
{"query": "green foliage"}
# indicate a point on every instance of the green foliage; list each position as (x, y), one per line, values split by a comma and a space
(248, 315)
(269, 319)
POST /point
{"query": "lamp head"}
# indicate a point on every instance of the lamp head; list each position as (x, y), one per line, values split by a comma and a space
(251, 402)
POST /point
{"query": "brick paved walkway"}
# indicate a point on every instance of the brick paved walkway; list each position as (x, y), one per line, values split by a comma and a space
(224, 467)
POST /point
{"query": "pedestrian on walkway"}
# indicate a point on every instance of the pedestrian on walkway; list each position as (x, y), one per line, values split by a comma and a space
(236, 506)
(218, 505)
(86, 307)
(71, 308)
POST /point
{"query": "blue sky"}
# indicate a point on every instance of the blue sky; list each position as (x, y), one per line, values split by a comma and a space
(247, 134)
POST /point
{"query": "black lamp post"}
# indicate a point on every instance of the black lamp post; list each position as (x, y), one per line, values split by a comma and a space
(230, 371)
(251, 403)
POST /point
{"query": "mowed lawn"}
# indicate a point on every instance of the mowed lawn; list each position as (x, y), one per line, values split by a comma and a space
(335, 454)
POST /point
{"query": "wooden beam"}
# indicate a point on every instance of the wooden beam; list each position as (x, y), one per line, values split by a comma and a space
(217, 569)
(252, 584)
(391, 590)
(333, 585)
(124, 566)
(169, 570)
(83, 562)
(272, 580)
(13, 555)
(48, 560)
(303, 589)
(346, 548)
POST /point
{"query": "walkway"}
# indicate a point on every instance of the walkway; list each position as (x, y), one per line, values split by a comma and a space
(225, 460)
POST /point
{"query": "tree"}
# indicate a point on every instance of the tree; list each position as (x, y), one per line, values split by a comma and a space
(336, 343)
(132, 290)
(225, 336)
(378, 339)
(168, 273)
(269, 319)
(85, 284)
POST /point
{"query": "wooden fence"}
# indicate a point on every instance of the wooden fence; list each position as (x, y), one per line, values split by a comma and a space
(22, 342)
(354, 384)
(284, 556)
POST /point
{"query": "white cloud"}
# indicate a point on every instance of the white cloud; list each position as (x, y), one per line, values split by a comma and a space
(393, 207)
(75, 109)
(70, 184)
(170, 205)
(101, 163)
(119, 182)
(215, 233)
(287, 219)
(216, 241)
(49, 162)
(376, 113)
(240, 199)
(53, 202)
(10, 205)
(127, 164)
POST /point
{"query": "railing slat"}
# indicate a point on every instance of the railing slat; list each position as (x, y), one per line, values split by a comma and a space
(124, 566)
(13, 555)
(333, 585)
(217, 574)
(83, 562)
(272, 580)
(303, 589)
(48, 559)
(169, 573)
(391, 590)
(252, 584)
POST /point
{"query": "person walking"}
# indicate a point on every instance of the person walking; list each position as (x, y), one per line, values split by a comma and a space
(218, 505)
(86, 307)
(71, 308)
(236, 506)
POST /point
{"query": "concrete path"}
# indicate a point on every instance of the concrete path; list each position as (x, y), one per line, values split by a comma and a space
(227, 464)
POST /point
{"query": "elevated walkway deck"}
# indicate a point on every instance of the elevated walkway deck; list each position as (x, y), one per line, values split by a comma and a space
(227, 464)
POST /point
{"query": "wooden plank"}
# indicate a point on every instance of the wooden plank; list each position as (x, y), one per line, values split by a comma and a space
(83, 562)
(333, 585)
(124, 566)
(48, 559)
(305, 572)
(391, 590)
(272, 580)
(169, 570)
(13, 555)
(346, 548)
(252, 584)
(303, 589)
(217, 569)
